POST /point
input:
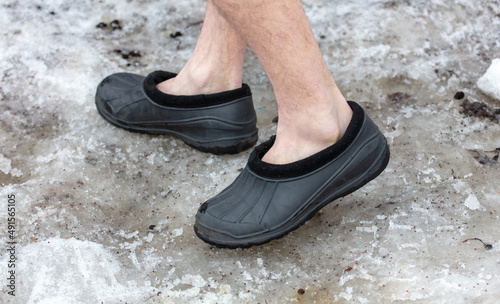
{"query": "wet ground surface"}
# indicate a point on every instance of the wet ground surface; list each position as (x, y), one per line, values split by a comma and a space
(104, 215)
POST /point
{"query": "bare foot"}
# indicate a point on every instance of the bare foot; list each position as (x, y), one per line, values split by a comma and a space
(196, 82)
(306, 135)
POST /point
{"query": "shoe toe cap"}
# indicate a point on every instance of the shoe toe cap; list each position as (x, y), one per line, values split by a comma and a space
(117, 85)
(117, 92)
(220, 229)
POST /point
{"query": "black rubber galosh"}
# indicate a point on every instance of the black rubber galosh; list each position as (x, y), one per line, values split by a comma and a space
(217, 123)
(267, 201)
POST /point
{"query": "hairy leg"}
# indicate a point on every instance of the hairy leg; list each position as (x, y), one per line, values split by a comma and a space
(313, 114)
(216, 63)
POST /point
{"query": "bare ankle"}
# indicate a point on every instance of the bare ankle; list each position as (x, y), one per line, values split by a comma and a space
(303, 136)
(198, 82)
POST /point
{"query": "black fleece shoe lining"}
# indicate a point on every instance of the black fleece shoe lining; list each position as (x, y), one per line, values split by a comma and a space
(188, 101)
(312, 162)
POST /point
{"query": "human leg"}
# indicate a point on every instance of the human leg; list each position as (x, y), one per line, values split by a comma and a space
(325, 148)
(313, 114)
(216, 63)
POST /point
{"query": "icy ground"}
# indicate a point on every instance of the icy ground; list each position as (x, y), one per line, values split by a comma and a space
(106, 216)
